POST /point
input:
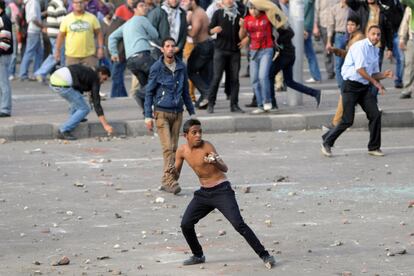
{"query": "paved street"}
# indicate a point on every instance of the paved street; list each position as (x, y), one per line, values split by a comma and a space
(319, 216)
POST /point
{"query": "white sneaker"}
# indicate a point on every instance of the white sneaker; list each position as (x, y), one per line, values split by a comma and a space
(311, 80)
(258, 111)
(267, 106)
(11, 78)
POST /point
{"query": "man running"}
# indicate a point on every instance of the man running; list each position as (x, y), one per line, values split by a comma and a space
(215, 192)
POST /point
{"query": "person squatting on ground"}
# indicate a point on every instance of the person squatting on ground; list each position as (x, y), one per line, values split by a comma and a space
(215, 192)
(6, 51)
(360, 69)
(136, 34)
(167, 90)
(71, 82)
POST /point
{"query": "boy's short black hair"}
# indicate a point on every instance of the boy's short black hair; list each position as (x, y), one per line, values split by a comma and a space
(104, 70)
(169, 38)
(189, 123)
(2, 5)
(354, 18)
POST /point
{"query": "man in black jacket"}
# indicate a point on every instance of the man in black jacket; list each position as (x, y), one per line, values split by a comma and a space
(370, 12)
(225, 23)
(71, 82)
(6, 50)
(170, 21)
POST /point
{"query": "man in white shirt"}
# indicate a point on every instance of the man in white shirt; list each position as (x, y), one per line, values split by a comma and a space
(360, 71)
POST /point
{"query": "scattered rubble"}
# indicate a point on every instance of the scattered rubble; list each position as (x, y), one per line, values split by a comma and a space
(63, 261)
(246, 189)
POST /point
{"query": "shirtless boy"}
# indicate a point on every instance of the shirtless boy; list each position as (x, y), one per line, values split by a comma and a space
(215, 192)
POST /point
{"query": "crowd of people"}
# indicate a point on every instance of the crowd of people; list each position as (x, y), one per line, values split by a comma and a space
(209, 35)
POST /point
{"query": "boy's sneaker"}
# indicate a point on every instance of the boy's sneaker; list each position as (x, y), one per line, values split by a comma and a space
(376, 152)
(195, 260)
(326, 150)
(269, 261)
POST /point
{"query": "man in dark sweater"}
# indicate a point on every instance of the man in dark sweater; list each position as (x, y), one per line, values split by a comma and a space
(225, 23)
(71, 82)
(6, 50)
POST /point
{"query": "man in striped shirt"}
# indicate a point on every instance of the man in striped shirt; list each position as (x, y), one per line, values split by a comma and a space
(56, 11)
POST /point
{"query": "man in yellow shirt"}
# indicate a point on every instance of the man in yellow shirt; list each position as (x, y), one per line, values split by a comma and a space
(80, 29)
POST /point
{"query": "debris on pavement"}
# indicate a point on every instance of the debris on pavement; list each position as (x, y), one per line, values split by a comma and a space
(63, 261)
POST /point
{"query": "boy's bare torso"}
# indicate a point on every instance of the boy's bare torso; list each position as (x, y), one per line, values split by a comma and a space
(208, 174)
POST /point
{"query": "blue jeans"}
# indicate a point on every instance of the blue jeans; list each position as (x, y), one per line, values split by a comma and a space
(12, 66)
(399, 58)
(339, 43)
(49, 63)
(118, 85)
(311, 57)
(34, 51)
(5, 89)
(78, 107)
(260, 62)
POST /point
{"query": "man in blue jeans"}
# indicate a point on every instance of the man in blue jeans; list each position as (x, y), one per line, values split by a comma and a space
(6, 50)
(215, 192)
(71, 82)
(34, 47)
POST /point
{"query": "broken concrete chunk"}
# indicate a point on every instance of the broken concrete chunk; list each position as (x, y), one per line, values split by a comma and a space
(118, 216)
(102, 257)
(246, 189)
(79, 184)
(337, 243)
(222, 232)
(63, 261)
(393, 252)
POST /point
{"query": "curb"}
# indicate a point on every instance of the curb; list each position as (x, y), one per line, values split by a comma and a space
(217, 124)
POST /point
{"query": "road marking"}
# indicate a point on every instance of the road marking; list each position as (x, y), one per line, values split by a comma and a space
(96, 161)
(196, 187)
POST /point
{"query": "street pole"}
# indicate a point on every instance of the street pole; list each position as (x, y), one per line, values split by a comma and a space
(296, 18)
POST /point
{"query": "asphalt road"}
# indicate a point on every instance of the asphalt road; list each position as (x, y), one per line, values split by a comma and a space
(318, 215)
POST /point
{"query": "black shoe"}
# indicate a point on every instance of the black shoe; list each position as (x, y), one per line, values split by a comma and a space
(195, 260)
(235, 108)
(331, 76)
(405, 96)
(269, 261)
(318, 98)
(3, 115)
(398, 85)
(84, 120)
(326, 150)
(252, 104)
(210, 109)
(66, 135)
